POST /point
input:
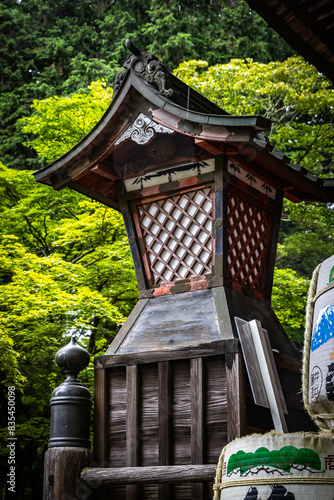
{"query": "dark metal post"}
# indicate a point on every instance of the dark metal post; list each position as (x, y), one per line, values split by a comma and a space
(69, 445)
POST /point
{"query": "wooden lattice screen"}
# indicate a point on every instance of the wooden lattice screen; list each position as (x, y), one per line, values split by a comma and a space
(177, 234)
(248, 235)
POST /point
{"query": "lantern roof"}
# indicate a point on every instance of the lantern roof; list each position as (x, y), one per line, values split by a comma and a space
(156, 122)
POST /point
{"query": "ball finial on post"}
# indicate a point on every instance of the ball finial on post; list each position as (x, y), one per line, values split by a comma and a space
(69, 445)
(71, 401)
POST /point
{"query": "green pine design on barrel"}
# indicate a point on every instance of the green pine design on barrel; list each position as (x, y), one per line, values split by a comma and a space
(282, 459)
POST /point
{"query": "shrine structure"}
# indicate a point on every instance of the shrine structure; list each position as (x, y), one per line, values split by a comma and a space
(201, 194)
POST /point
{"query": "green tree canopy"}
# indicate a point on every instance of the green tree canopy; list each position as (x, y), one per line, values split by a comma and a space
(65, 268)
(298, 100)
(59, 123)
(52, 48)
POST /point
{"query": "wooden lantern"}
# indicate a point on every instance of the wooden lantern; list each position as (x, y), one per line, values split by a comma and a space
(201, 195)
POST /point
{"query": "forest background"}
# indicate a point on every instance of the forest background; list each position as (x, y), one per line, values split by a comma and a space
(65, 266)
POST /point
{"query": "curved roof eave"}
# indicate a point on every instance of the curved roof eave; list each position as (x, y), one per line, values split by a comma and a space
(133, 83)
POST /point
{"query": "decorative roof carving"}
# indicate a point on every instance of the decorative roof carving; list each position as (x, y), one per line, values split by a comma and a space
(142, 130)
(147, 67)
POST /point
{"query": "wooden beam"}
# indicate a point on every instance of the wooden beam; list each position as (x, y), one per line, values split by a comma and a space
(197, 410)
(132, 235)
(218, 229)
(202, 350)
(165, 418)
(131, 425)
(100, 416)
(236, 399)
(208, 146)
(171, 474)
(197, 420)
(94, 195)
(62, 467)
(253, 167)
(272, 248)
(104, 170)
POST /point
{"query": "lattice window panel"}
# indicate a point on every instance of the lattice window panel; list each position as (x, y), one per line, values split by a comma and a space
(248, 233)
(177, 232)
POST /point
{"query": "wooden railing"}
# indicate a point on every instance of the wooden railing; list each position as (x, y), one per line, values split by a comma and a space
(169, 474)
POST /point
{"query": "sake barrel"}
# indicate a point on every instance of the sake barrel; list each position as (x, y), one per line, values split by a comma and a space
(296, 466)
(318, 362)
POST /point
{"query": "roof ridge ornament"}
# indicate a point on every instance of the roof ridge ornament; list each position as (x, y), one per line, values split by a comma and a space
(147, 67)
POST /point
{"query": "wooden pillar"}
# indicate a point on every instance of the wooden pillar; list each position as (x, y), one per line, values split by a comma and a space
(236, 399)
(132, 426)
(100, 416)
(101, 441)
(62, 467)
(164, 376)
(197, 420)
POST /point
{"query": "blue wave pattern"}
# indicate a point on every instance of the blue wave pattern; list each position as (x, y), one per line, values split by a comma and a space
(324, 328)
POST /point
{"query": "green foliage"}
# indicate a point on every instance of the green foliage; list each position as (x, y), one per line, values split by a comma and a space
(307, 234)
(292, 94)
(65, 268)
(289, 298)
(61, 122)
(58, 48)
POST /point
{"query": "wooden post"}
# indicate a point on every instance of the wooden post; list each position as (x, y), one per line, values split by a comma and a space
(197, 420)
(132, 425)
(100, 416)
(236, 399)
(69, 445)
(62, 468)
(164, 377)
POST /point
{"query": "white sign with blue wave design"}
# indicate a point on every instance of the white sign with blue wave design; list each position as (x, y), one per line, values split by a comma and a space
(321, 365)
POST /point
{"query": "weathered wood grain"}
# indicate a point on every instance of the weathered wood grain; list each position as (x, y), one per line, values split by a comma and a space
(165, 410)
(201, 350)
(132, 389)
(197, 410)
(236, 401)
(181, 413)
(197, 420)
(215, 391)
(117, 417)
(172, 474)
(173, 320)
(181, 419)
(148, 422)
(100, 416)
(62, 467)
(165, 420)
